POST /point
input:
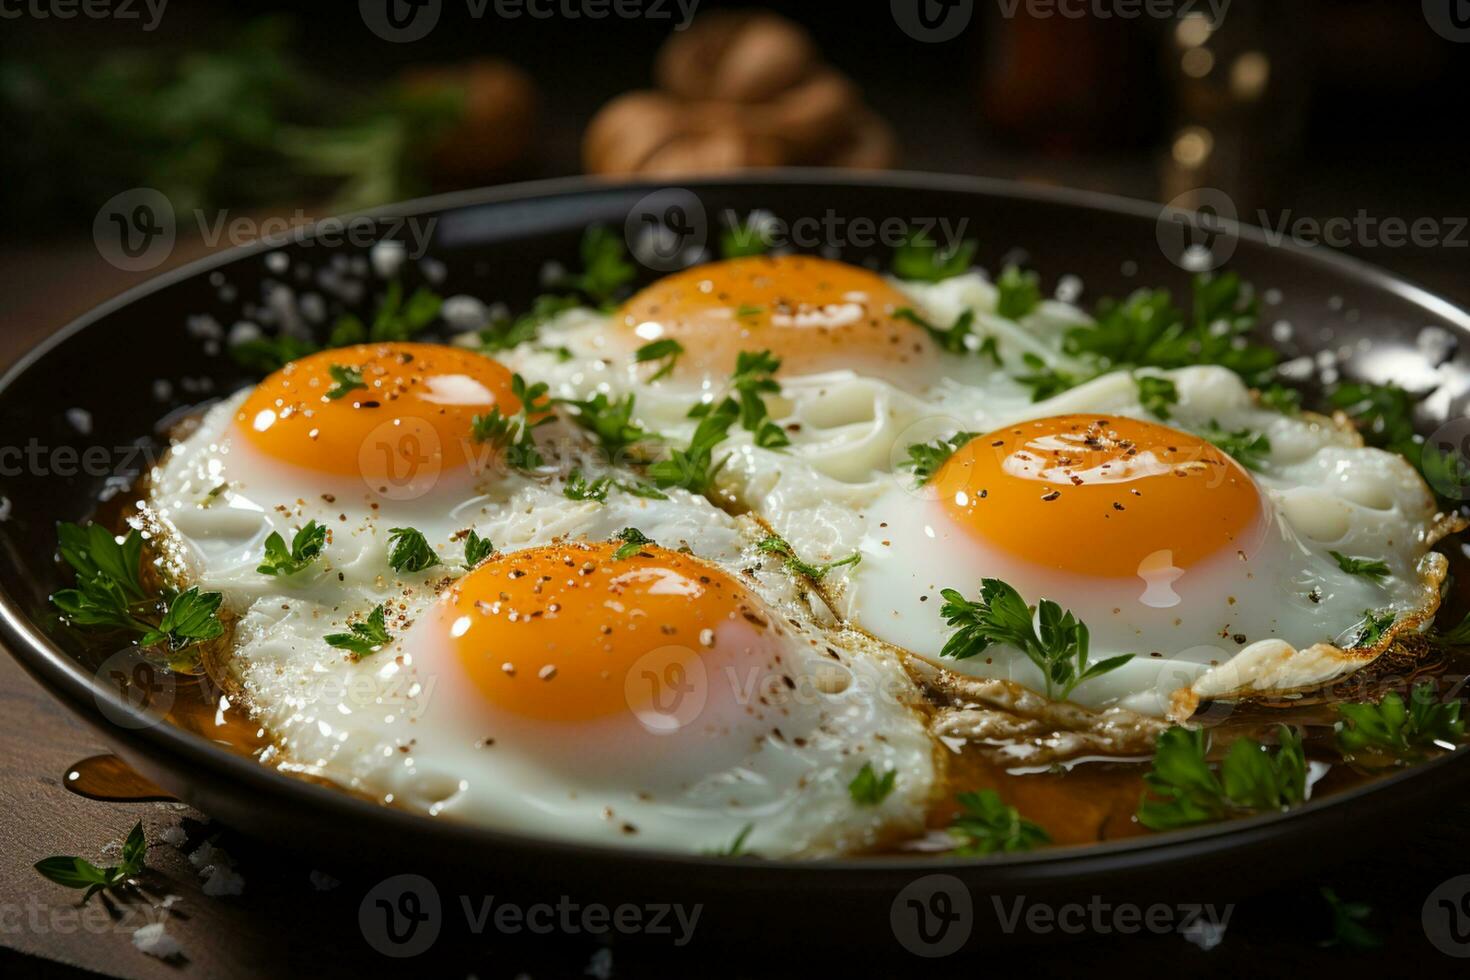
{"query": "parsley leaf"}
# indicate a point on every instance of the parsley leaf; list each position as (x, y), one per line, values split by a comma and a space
(693, 469)
(266, 355)
(1156, 394)
(515, 434)
(633, 542)
(1455, 636)
(110, 591)
(870, 789)
(605, 266)
(920, 259)
(345, 380)
(926, 458)
(1017, 293)
(1045, 380)
(1056, 642)
(754, 377)
(735, 848)
(1247, 447)
(409, 550)
(985, 825)
(1389, 728)
(742, 241)
(773, 545)
(577, 487)
(1367, 567)
(75, 872)
(1373, 626)
(1348, 929)
(1183, 790)
(306, 546)
(610, 422)
(668, 351)
(954, 340)
(506, 333)
(397, 320)
(366, 637)
(476, 549)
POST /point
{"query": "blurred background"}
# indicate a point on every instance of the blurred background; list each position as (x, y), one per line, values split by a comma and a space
(1296, 109)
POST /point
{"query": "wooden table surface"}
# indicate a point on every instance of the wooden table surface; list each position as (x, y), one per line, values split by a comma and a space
(285, 923)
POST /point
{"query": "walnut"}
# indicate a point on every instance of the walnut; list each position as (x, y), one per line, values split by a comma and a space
(738, 90)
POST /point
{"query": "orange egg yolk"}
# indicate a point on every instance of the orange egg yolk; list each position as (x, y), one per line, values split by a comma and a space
(1096, 495)
(814, 314)
(554, 633)
(378, 410)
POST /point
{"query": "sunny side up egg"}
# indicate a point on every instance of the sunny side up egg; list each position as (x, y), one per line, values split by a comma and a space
(858, 368)
(652, 699)
(1220, 580)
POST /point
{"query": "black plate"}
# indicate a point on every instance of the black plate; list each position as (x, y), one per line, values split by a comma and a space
(493, 244)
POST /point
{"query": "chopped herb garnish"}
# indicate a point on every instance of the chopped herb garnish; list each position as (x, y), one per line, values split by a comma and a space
(735, 848)
(515, 434)
(578, 488)
(366, 637)
(1156, 394)
(75, 872)
(1056, 642)
(1183, 789)
(1401, 732)
(476, 549)
(667, 351)
(633, 542)
(345, 380)
(1348, 918)
(1277, 396)
(110, 591)
(743, 241)
(773, 545)
(926, 458)
(746, 310)
(920, 259)
(1373, 626)
(605, 266)
(1367, 567)
(870, 789)
(1246, 446)
(266, 355)
(610, 422)
(397, 320)
(955, 339)
(306, 547)
(694, 469)
(1456, 636)
(506, 332)
(1045, 380)
(409, 550)
(985, 825)
(640, 490)
(754, 378)
(1017, 293)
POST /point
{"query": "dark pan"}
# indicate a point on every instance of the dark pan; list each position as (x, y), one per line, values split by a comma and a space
(493, 244)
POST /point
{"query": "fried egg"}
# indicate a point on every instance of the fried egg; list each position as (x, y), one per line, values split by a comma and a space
(680, 696)
(1220, 580)
(857, 370)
